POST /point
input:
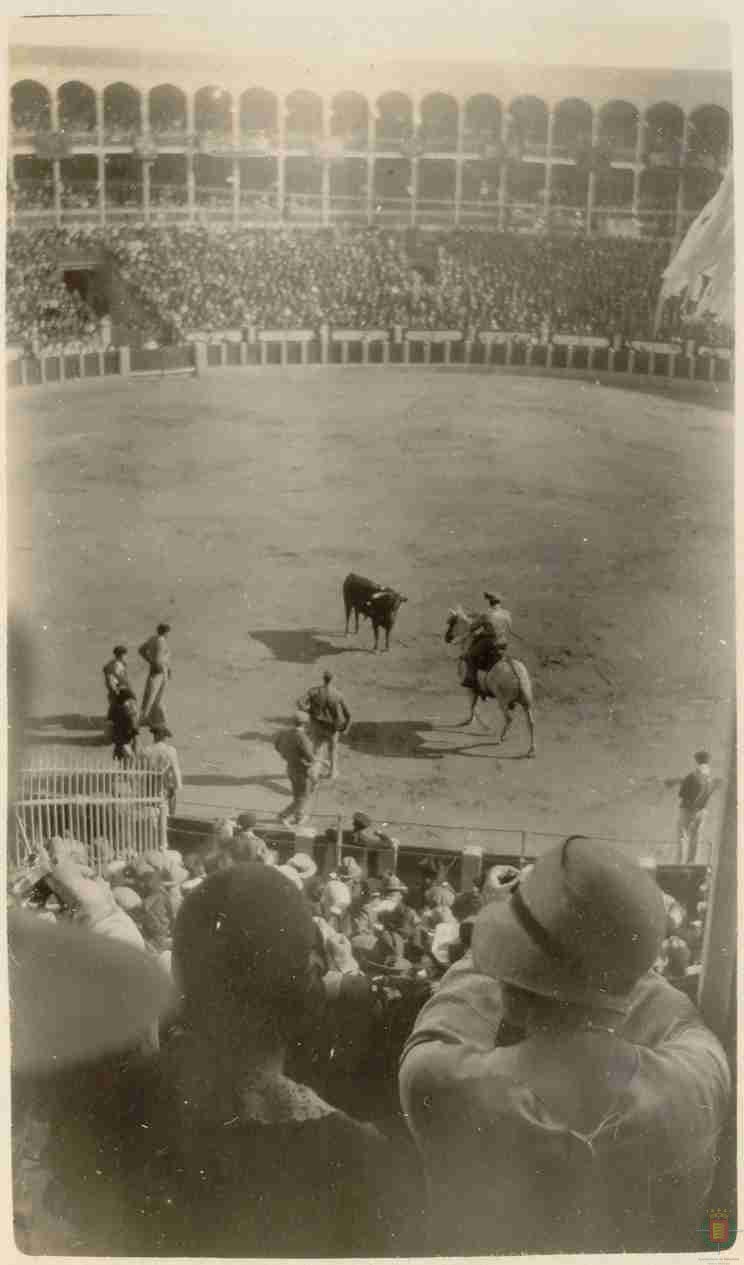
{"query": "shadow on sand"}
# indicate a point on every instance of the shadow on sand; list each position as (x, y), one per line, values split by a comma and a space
(68, 720)
(300, 645)
(268, 781)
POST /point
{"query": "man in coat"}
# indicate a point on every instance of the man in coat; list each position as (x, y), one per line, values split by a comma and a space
(694, 794)
(565, 1097)
(296, 749)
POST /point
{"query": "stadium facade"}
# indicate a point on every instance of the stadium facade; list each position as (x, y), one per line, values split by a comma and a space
(111, 137)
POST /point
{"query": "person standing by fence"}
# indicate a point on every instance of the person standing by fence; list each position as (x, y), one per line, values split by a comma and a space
(156, 654)
(162, 756)
(694, 795)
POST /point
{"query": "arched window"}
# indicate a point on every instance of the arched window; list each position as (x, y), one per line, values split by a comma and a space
(618, 129)
(663, 137)
(439, 118)
(394, 119)
(482, 121)
(708, 136)
(259, 115)
(529, 124)
(30, 107)
(349, 117)
(303, 120)
(168, 112)
(122, 115)
(212, 113)
(572, 128)
(77, 110)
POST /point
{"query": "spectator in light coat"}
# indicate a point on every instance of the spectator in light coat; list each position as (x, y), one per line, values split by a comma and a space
(565, 1097)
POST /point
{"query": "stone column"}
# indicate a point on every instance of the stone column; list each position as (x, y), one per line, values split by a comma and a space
(235, 111)
(592, 186)
(371, 142)
(503, 170)
(638, 164)
(679, 222)
(549, 164)
(281, 159)
(146, 170)
(415, 162)
(190, 178)
(459, 159)
(325, 176)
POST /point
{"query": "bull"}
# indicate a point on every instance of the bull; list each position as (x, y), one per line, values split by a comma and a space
(375, 602)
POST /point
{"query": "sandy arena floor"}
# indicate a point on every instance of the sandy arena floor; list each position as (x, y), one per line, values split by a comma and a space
(234, 505)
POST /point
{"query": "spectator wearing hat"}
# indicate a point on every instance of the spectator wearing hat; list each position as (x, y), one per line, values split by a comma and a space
(304, 866)
(596, 1130)
(329, 718)
(156, 654)
(498, 883)
(162, 756)
(296, 749)
(694, 796)
(115, 676)
(212, 1149)
(244, 945)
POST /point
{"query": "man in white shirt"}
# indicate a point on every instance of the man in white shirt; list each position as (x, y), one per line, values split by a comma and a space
(163, 757)
(156, 655)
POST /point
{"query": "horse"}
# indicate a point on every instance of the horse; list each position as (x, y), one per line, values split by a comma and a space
(508, 681)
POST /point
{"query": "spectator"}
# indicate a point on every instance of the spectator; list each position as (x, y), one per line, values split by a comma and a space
(694, 796)
(162, 756)
(124, 724)
(601, 1121)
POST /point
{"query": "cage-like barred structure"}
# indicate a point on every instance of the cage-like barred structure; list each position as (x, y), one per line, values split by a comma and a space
(117, 809)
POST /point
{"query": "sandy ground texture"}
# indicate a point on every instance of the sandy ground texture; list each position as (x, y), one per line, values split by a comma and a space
(233, 506)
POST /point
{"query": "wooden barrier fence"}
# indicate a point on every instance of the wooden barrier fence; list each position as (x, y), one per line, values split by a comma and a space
(276, 347)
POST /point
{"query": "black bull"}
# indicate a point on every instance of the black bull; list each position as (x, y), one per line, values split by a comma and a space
(376, 602)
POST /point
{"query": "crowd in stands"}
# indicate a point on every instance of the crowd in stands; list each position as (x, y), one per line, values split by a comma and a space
(371, 926)
(40, 309)
(294, 994)
(200, 278)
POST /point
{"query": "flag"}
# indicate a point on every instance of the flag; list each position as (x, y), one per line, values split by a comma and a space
(703, 267)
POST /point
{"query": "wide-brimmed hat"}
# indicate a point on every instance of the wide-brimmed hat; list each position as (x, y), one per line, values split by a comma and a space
(492, 597)
(582, 927)
(303, 864)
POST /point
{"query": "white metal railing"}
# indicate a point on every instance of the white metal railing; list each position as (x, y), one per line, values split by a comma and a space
(93, 799)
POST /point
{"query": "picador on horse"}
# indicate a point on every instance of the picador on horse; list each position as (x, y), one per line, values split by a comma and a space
(489, 638)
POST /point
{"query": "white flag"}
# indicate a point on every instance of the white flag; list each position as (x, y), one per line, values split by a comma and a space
(703, 267)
